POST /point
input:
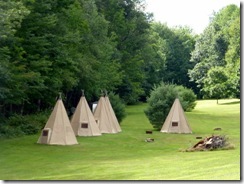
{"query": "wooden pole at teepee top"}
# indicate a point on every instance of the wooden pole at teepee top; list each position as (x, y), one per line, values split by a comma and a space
(60, 95)
(106, 93)
(102, 92)
(82, 92)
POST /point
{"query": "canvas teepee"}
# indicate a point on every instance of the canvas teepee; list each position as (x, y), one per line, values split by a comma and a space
(58, 130)
(111, 111)
(104, 118)
(83, 121)
(176, 121)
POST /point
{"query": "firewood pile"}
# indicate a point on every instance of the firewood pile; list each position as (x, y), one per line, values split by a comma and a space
(210, 143)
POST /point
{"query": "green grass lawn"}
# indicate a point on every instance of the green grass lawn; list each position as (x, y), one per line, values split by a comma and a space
(126, 156)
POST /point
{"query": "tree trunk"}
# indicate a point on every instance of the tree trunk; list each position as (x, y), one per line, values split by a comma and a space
(22, 108)
(39, 105)
(11, 108)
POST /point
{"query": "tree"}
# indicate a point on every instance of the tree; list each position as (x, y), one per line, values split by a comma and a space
(88, 44)
(65, 46)
(154, 54)
(181, 44)
(118, 106)
(215, 83)
(13, 77)
(176, 47)
(128, 25)
(205, 56)
(41, 38)
(214, 51)
(12, 14)
(167, 56)
(232, 56)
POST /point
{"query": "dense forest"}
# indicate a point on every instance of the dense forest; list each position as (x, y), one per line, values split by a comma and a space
(52, 46)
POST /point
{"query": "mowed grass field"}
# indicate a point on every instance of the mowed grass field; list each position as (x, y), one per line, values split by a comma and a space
(126, 156)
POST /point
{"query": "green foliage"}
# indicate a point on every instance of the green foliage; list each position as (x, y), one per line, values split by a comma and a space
(118, 106)
(161, 100)
(128, 26)
(19, 125)
(45, 53)
(13, 76)
(178, 43)
(167, 56)
(12, 13)
(154, 55)
(232, 56)
(187, 98)
(216, 50)
(215, 83)
(52, 46)
(10, 132)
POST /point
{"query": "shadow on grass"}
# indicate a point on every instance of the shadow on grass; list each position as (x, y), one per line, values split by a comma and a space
(230, 103)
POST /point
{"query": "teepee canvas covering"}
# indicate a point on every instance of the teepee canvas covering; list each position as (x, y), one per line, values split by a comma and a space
(176, 121)
(58, 130)
(83, 121)
(104, 118)
(114, 118)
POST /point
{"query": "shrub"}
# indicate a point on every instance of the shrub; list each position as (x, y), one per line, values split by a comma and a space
(19, 125)
(187, 98)
(162, 98)
(7, 131)
(118, 106)
(160, 102)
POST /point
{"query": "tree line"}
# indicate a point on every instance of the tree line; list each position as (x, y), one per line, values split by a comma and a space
(216, 56)
(48, 46)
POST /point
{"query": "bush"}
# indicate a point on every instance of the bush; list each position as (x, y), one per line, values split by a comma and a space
(7, 131)
(187, 98)
(19, 125)
(118, 106)
(161, 100)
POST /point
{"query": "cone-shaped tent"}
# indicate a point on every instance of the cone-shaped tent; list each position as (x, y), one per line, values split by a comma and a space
(103, 117)
(83, 121)
(58, 130)
(176, 121)
(111, 111)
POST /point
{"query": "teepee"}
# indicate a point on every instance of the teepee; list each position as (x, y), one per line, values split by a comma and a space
(104, 118)
(83, 121)
(58, 130)
(111, 111)
(176, 121)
